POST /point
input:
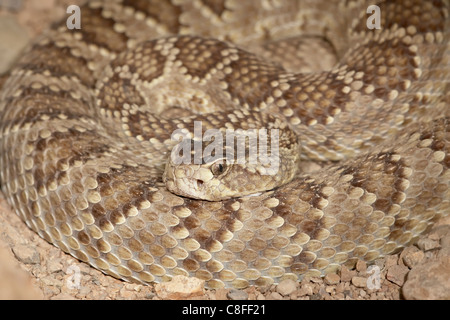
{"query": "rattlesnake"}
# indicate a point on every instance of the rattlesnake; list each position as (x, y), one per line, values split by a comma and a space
(85, 134)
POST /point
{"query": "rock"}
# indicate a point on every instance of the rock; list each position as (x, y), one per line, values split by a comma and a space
(286, 287)
(412, 256)
(360, 282)
(445, 246)
(235, 294)
(361, 266)
(346, 274)
(180, 287)
(54, 265)
(427, 244)
(221, 294)
(316, 279)
(306, 290)
(275, 296)
(397, 274)
(332, 278)
(52, 281)
(128, 291)
(362, 293)
(390, 260)
(429, 281)
(445, 241)
(26, 254)
(260, 297)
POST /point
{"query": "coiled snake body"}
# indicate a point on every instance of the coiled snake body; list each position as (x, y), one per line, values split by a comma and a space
(85, 134)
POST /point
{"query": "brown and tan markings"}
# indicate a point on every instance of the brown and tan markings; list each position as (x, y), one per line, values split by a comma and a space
(85, 133)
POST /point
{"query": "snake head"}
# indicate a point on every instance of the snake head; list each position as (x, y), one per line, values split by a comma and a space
(224, 175)
(204, 181)
(216, 181)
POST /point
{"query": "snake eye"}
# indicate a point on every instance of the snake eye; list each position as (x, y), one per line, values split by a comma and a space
(218, 168)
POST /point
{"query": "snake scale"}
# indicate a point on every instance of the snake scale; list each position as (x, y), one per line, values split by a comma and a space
(85, 131)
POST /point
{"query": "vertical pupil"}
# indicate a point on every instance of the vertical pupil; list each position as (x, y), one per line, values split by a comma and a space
(220, 167)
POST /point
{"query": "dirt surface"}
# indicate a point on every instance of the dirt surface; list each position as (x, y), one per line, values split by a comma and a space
(31, 268)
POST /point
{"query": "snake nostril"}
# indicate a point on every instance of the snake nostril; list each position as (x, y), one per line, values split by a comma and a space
(200, 183)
